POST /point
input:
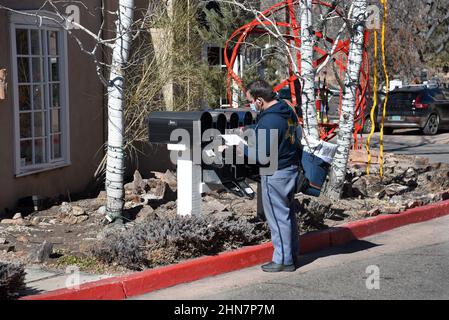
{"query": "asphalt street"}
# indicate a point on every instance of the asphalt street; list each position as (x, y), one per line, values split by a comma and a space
(412, 142)
(411, 262)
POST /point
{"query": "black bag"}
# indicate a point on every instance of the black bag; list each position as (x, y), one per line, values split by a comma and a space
(302, 183)
(312, 171)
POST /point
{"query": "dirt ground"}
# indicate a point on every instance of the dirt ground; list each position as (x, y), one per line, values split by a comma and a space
(73, 233)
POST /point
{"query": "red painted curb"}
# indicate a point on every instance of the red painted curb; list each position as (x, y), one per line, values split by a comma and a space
(151, 280)
(192, 270)
(107, 289)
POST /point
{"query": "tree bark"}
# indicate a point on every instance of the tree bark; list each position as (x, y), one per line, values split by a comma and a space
(334, 188)
(308, 73)
(115, 167)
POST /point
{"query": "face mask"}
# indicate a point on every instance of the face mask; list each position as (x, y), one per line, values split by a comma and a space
(253, 107)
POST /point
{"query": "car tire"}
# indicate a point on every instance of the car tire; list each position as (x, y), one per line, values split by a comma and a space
(388, 131)
(432, 125)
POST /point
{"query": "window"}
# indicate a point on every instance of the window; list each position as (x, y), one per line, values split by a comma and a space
(41, 100)
(437, 94)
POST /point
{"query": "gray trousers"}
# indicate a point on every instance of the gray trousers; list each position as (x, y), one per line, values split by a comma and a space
(277, 198)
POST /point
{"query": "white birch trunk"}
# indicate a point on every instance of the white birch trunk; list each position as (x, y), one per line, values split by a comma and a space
(308, 73)
(116, 154)
(334, 188)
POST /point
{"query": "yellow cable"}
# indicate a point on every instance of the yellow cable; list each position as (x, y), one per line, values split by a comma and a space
(387, 87)
(373, 108)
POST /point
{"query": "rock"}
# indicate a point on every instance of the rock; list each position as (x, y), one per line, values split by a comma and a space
(36, 220)
(17, 216)
(373, 213)
(22, 239)
(367, 186)
(414, 204)
(129, 187)
(167, 177)
(144, 213)
(161, 190)
(132, 197)
(211, 205)
(77, 211)
(395, 189)
(65, 208)
(43, 253)
(361, 156)
(138, 183)
(7, 248)
(12, 221)
(71, 220)
(102, 195)
(101, 210)
(44, 224)
(3, 241)
(391, 210)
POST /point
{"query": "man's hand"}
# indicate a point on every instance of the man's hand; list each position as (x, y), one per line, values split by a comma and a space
(222, 148)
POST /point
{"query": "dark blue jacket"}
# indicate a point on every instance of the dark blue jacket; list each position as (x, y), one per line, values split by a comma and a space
(281, 117)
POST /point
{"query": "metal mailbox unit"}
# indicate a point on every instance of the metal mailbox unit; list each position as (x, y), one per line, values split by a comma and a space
(195, 177)
(161, 124)
(245, 116)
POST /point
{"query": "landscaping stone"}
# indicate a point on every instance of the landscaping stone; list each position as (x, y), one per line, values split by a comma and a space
(17, 216)
(77, 211)
(7, 248)
(42, 253)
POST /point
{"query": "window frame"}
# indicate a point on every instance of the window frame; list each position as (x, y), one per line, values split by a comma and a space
(29, 22)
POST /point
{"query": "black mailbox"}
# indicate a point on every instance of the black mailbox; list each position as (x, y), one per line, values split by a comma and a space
(162, 124)
(245, 117)
(231, 117)
(220, 122)
(232, 177)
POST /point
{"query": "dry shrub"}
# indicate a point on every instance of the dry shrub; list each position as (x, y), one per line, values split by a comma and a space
(162, 240)
(12, 280)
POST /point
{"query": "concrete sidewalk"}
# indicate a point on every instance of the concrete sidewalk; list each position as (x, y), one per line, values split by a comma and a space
(413, 263)
(39, 280)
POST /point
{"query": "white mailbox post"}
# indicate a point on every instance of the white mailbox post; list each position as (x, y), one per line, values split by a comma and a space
(189, 183)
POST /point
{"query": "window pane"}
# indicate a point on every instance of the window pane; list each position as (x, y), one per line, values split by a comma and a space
(55, 96)
(26, 153)
(24, 98)
(22, 41)
(39, 151)
(36, 67)
(56, 146)
(53, 64)
(23, 69)
(53, 43)
(55, 121)
(37, 98)
(35, 43)
(25, 125)
(39, 124)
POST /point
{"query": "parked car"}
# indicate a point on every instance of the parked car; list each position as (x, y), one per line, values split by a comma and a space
(423, 107)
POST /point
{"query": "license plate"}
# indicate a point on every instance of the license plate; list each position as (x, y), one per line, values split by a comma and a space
(396, 118)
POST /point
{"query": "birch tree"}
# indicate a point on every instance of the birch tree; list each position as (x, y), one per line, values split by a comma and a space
(308, 73)
(115, 167)
(358, 14)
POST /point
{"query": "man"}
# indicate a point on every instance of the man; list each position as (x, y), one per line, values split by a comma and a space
(278, 188)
